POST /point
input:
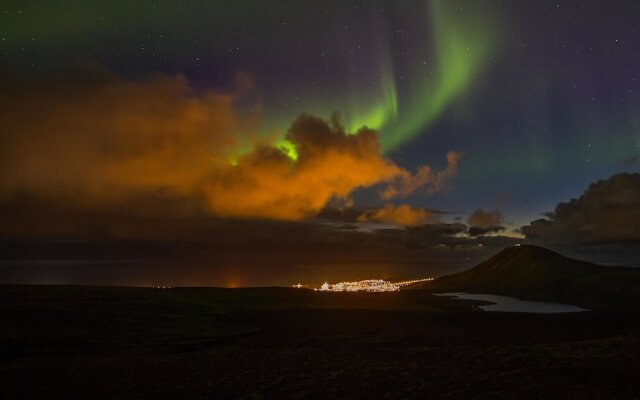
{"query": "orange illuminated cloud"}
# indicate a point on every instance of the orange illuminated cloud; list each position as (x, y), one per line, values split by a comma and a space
(103, 142)
(405, 183)
(330, 165)
(403, 215)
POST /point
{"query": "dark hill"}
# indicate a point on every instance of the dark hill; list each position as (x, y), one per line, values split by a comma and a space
(533, 272)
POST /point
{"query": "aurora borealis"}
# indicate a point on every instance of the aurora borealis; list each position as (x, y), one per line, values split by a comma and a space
(409, 112)
(393, 78)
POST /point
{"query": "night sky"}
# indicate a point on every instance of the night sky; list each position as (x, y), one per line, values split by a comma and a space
(485, 114)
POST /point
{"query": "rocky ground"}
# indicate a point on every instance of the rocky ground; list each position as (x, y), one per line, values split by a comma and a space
(68, 342)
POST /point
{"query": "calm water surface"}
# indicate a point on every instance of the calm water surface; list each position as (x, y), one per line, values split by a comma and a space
(511, 304)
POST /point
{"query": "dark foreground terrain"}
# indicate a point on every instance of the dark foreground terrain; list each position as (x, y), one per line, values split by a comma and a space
(83, 342)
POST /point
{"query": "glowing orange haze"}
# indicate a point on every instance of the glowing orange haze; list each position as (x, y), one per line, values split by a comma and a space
(403, 215)
(103, 141)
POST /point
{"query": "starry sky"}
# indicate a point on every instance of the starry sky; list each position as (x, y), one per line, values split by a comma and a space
(514, 106)
(541, 96)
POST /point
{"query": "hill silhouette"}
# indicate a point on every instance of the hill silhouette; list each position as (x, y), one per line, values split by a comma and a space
(536, 273)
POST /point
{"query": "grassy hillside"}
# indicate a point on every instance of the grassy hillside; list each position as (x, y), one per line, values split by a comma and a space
(533, 272)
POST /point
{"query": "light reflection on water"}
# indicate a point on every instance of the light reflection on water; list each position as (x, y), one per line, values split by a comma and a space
(511, 304)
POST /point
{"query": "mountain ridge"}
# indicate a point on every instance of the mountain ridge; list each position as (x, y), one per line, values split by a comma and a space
(537, 273)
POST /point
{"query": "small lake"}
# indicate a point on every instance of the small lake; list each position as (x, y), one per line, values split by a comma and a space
(511, 304)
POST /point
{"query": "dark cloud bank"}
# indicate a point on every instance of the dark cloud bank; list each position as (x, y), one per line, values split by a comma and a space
(485, 222)
(607, 212)
(600, 226)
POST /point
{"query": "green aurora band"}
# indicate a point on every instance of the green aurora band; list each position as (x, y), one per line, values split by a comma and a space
(463, 41)
(460, 40)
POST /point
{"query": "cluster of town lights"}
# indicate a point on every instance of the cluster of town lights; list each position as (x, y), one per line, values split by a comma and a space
(369, 285)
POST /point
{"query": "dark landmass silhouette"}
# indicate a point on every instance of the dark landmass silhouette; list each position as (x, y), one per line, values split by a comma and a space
(254, 343)
(536, 273)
